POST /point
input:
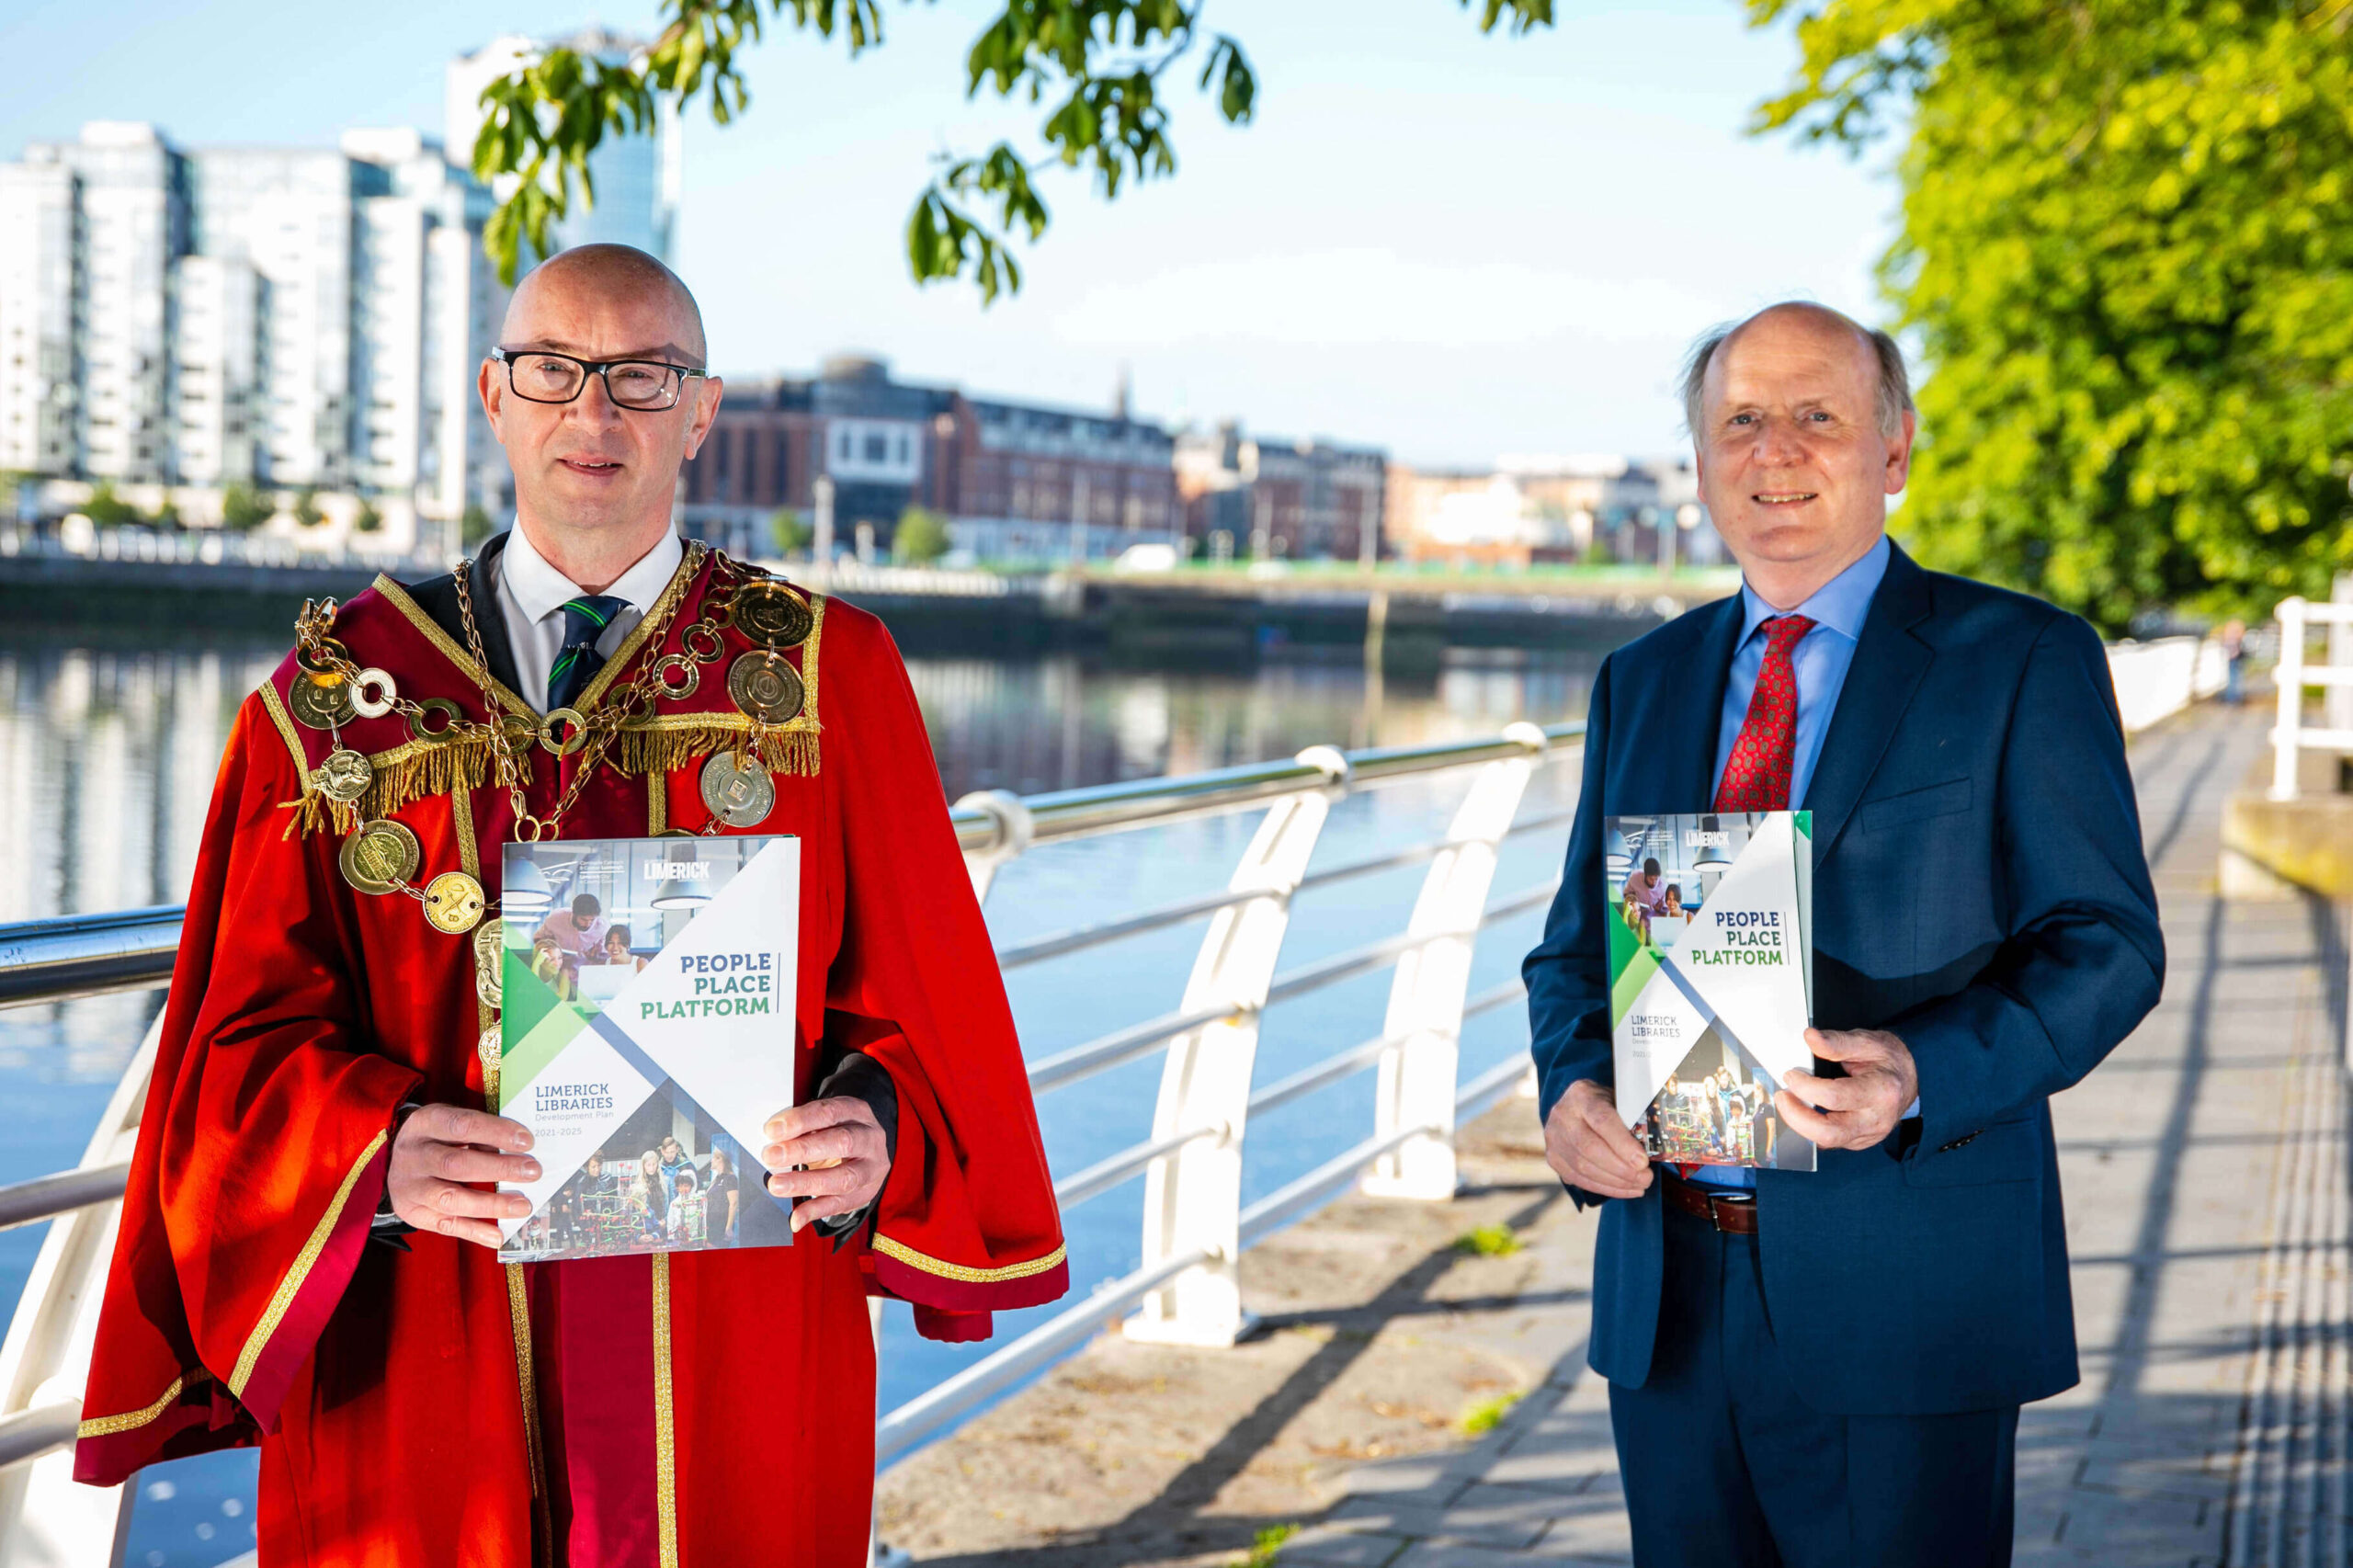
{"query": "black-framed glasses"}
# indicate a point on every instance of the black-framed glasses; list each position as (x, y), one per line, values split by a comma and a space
(540, 375)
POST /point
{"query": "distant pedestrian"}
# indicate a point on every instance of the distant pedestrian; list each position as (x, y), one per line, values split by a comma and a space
(2233, 639)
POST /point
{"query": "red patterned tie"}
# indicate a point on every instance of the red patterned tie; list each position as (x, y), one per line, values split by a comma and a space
(1757, 777)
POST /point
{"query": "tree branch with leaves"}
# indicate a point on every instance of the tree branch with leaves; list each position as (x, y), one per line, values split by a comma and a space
(1100, 69)
(2125, 255)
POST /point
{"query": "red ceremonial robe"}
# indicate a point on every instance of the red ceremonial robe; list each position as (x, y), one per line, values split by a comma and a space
(438, 1407)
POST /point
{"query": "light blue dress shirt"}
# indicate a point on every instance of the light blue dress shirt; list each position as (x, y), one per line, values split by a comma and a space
(1820, 661)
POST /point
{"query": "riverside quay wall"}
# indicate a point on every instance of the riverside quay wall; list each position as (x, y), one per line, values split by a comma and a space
(1401, 619)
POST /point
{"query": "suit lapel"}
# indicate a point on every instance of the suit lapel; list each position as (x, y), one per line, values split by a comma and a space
(438, 599)
(1684, 755)
(497, 650)
(1889, 665)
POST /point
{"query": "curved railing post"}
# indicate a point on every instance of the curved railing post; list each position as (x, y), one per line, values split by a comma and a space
(1192, 1200)
(1015, 828)
(46, 1360)
(1418, 1073)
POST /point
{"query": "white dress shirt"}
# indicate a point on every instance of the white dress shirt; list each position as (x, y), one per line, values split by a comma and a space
(532, 594)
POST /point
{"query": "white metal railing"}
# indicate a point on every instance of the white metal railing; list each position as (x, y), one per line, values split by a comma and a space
(1196, 1227)
(1185, 1290)
(2158, 678)
(2292, 676)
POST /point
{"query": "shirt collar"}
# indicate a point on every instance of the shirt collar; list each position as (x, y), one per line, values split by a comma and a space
(540, 590)
(1839, 604)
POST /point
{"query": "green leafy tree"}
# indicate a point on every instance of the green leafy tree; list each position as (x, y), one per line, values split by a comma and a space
(922, 537)
(2125, 255)
(474, 526)
(789, 531)
(106, 509)
(243, 509)
(368, 520)
(1099, 65)
(306, 508)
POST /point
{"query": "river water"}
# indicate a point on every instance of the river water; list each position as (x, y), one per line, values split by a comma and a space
(108, 742)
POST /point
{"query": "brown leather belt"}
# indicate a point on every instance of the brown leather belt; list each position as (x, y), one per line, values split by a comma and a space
(1732, 1211)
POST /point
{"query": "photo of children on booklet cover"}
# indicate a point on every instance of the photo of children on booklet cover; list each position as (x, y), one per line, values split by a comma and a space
(1718, 1110)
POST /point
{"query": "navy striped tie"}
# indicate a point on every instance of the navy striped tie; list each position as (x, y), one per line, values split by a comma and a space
(585, 619)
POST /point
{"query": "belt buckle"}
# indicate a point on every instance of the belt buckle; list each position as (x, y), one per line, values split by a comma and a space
(1727, 1200)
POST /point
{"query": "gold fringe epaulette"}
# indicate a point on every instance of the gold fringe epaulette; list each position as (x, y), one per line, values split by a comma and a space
(678, 740)
(650, 744)
(404, 774)
(659, 745)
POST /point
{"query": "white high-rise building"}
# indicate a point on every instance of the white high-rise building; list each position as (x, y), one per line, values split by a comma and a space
(86, 244)
(288, 318)
(635, 178)
(222, 407)
(287, 214)
(40, 311)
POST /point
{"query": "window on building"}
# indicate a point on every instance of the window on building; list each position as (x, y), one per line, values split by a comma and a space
(878, 448)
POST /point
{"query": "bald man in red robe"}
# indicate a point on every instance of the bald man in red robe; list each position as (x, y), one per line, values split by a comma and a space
(307, 1257)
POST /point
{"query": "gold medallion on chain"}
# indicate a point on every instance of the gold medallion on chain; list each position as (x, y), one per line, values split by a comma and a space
(320, 703)
(490, 981)
(769, 612)
(765, 688)
(740, 797)
(453, 902)
(381, 857)
(345, 774)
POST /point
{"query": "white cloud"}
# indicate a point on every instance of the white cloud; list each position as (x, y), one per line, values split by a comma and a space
(1364, 298)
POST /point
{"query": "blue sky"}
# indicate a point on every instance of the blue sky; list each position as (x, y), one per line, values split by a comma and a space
(1450, 244)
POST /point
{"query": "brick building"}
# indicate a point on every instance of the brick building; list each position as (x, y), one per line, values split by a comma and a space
(1011, 477)
(1301, 500)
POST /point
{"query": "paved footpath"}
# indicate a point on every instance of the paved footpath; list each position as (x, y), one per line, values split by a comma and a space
(2205, 1176)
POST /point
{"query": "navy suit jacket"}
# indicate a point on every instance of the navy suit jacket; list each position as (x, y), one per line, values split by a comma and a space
(1979, 890)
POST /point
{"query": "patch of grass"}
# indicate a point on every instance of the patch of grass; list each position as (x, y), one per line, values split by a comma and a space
(1268, 1546)
(1481, 1418)
(1488, 1241)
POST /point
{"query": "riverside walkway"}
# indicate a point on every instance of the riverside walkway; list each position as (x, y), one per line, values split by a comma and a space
(1416, 1402)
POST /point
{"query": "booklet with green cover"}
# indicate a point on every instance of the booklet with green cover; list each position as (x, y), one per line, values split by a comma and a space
(1711, 980)
(645, 1037)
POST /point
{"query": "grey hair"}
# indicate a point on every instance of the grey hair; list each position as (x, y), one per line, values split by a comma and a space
(1894, 379)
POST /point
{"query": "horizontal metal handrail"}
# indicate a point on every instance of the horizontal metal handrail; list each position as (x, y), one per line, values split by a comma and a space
(1358, 1058)
(1330, 1070)
(1287, 1202)
(1489, 1000)
(61, 1192)
(1154, 919)
(29, 1434)
(1272, 1211)
(1109, 1051)
(1125, 1045)
(84, 955)
(1483, 1091)
(929, 1411)
(1080, 938)
(1108, 1172)
(1105, 808)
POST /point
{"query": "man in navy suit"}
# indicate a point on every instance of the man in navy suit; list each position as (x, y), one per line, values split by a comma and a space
(1825, 1367)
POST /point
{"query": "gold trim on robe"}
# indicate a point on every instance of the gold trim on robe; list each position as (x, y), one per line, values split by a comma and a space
(107, 1425)
(291, 1286)
(946, 1271)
